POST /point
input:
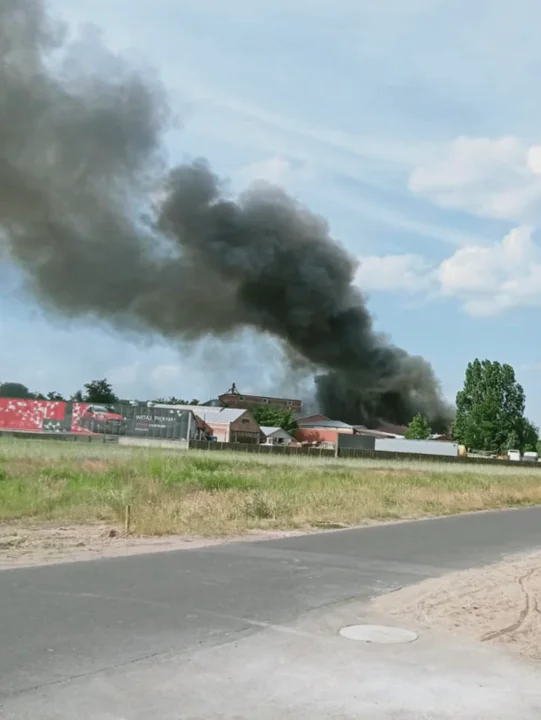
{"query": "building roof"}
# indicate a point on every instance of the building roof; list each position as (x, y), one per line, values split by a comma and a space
(181, 409)
(269, 430)
(210, 414)
(390, 429)
(213, 402)
(362, 430)
(301, 418)
(327, 423)
(234, 392)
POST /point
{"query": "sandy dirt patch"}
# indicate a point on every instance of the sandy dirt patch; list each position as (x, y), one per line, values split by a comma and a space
(30, 545)
(499, 603)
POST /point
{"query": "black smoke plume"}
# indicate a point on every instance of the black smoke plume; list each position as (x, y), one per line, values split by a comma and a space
(81, 155)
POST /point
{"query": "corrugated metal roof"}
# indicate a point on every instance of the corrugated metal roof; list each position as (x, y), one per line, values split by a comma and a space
(299, 418)
(397, 430)
(210, 414)
(324, 424)
(164, 406)
(268, 430)
(219, 415)
(363, 430)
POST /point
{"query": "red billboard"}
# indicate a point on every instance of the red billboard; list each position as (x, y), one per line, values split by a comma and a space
(50, 416)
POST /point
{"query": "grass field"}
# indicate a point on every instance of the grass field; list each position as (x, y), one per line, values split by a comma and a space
(218, 493)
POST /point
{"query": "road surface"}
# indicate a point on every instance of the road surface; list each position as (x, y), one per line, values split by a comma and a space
(251, 630)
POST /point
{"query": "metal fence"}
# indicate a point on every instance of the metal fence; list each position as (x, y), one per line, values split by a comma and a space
(141, 421)
(357, 454)
(262, 449)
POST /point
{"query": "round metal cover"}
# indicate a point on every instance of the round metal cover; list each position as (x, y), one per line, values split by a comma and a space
(382, 634)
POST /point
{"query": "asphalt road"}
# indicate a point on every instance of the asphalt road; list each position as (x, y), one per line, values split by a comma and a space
(69, 622)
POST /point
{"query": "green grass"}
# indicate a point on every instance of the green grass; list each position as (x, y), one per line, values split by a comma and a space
(222, 493)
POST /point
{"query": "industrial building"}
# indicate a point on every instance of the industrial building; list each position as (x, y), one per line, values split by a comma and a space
(221, 423)
(234, 399)
(386, 431)
(397, 445)
(319, 429)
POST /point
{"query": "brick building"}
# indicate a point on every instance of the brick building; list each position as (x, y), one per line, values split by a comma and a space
(316, 429)
(234, 399)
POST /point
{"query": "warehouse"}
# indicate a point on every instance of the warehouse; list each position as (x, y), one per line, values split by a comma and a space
(317, 429)
(223, 424)
(234, 399)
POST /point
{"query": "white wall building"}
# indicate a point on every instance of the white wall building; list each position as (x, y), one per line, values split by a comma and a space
(275, 436)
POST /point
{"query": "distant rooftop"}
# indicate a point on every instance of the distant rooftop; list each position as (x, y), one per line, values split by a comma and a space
(209, 413)
(269, 430)
(249, 397)
(362, 430)
(327, 423)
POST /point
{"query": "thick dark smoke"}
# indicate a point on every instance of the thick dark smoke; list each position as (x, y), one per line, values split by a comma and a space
(80, 158)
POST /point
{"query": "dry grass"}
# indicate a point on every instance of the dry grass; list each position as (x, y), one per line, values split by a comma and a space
(220, 493)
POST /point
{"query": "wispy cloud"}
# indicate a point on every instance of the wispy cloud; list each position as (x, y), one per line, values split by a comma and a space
(486, 281)
(495, 178)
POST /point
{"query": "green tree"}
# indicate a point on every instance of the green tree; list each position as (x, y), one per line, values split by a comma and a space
(19, 391)
(15, 390)
(100, 391)
(418, 429)
(529, 436)
(275, 417)
(54, 396)
(490, 409)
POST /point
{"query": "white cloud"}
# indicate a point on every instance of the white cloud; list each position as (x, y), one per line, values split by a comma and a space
(492, 178)
(533, 159)
(394, 273)
(487, 281)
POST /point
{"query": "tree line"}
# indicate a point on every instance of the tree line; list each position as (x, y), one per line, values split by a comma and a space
(489, 414)
(101, 392)
(96, 391)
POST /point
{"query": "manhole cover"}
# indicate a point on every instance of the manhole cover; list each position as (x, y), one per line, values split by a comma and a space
(382, 634)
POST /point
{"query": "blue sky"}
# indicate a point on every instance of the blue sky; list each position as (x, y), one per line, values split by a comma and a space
(411, 125)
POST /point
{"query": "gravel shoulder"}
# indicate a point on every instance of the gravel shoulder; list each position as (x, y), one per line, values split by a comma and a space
(33, 545)
(497, 604)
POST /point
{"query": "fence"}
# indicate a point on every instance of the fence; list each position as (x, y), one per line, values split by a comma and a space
(142, 421)
(66, 418)
(356, 454)
(67, 437)
(261, 449)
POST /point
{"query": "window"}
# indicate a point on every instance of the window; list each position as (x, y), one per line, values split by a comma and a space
(245, 421)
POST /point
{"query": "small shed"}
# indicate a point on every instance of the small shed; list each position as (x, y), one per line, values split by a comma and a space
(275, 436)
